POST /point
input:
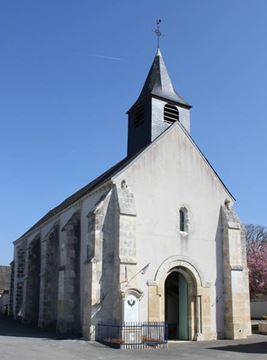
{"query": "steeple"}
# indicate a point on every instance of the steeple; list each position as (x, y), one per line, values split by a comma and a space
(158, 82)
(156, 108)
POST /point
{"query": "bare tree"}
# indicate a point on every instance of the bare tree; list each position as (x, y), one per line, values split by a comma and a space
(256, 233)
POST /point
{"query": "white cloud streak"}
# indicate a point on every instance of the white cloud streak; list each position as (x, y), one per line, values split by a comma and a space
(105, 57)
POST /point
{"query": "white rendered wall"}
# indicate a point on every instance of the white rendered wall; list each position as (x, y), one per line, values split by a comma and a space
(170, 174)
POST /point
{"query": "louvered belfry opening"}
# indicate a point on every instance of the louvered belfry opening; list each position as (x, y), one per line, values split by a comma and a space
(139, 116)
(171, 113)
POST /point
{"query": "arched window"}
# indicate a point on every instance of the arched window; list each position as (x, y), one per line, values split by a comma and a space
(171, 113)
(183, 219)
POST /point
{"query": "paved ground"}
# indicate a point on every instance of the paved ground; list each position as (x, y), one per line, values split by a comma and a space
(18, 342)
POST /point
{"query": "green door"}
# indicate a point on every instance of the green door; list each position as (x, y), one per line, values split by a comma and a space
(183, 309)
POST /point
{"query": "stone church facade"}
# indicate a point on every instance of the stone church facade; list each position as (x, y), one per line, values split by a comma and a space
(155, 238)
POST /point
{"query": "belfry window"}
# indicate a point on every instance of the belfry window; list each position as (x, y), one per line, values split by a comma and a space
(183, 219)
(139, 116)
(171, 113)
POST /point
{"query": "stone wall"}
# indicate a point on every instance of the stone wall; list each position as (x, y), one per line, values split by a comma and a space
(32, 291)
(49, 279)
(4, 302)
(199, 297)
(111, 256)
(100, 265)
(19, 274)
(236, 285)
(5, 277)
(126, 250)
(49, 266)
(11, 291)
(68, 320)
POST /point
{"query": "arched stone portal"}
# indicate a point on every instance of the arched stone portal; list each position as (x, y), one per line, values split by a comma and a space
(194, 305)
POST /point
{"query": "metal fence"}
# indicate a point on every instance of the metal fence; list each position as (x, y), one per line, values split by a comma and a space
(138, 335)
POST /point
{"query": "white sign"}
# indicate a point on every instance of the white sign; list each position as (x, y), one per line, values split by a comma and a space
(131, 309)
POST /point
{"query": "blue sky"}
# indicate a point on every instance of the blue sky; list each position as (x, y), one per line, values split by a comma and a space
(69, 70)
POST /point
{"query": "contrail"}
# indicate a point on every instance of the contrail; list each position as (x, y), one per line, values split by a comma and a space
(105, 57)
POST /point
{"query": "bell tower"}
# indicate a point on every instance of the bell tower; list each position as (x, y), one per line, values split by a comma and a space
(157, 107)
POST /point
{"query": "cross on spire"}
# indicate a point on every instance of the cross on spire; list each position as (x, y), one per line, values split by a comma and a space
(157, 31)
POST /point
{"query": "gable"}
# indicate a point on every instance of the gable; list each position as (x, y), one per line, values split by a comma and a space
(175, 149)
(169, 175)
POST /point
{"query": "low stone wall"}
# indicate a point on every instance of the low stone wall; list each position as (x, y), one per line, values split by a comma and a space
(263, 328)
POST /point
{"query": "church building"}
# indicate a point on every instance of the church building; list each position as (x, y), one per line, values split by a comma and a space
(153, 239)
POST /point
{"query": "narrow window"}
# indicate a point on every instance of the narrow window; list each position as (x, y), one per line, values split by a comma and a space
(171, 113)
(139, 116)
(183, 218)
(182, 221)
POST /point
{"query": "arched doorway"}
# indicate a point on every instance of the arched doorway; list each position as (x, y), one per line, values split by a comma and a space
(198, 296)
(176, 306)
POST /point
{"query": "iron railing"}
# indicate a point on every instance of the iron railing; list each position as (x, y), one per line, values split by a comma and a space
(133, 335)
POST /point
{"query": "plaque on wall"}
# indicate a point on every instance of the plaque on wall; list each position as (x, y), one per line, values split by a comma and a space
(131, 309)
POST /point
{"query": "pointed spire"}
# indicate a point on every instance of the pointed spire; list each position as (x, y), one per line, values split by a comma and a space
(158, 82)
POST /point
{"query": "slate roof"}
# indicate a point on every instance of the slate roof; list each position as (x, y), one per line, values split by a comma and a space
(5, 274)
(83, 191)
(158, 83)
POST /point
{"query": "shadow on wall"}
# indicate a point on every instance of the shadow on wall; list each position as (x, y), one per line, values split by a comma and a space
(110, 265)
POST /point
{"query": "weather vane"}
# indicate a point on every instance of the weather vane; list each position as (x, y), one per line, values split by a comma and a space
(157, 31)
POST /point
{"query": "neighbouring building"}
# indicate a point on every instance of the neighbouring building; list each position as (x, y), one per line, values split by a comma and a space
(155, 238)
(258, 307)
(5, 274)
